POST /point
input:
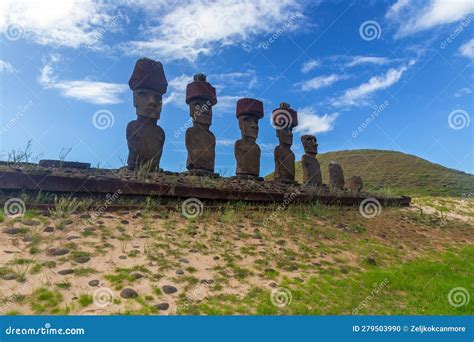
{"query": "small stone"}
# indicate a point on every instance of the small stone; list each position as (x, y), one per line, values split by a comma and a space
(180, 272)
(66, 272)
(128, 293)
(123, 257)
(162, 306)
(124, 222)
(27, 239)
(82, 259)
(31, 223)
(67, 222)
(136, 275)
(9, 276)
(216, 258)
(73, 237)
(371, 261)
(281, 242)
(207, 281)
(13, 231)
(58, 251)
(94, 282)
(48, 229)
(184, 260)
(273, 285)
(168, 289)
(193, 250)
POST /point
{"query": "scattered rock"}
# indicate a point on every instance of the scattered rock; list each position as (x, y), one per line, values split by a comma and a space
(67, 222)
(273, 285)
(136, 275)
(14, 231)
(216, 258)
(27, 239)
(184, 260)
(281, 242)
(82, 259)
(124, 222)
(168, 289)
(193, 251)
(123, 257)
(31, 223)
(207, 281)
(128, 293)
(9, 276)
(48, 229)
(180, 272)
(58, 251)
(73, 237)
(371, 260)
(66, 271)
(94, 282)
(162, 306)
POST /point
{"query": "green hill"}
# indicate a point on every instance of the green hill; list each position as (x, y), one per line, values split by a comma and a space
(396, 173)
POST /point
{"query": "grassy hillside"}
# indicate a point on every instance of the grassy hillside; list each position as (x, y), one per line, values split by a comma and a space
(396, 173)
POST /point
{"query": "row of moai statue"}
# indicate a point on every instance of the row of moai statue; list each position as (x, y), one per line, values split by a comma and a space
(146, 139)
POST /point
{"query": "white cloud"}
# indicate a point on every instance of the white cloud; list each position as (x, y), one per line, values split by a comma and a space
(309, 65)
(467, 49)
(84, 90)
(60, 23)
(463, 91)
(225, 142)
(198, 27)
(416, 16)
(320, 82)
(311, 123)
(5, 66)
(358, 60)
(358, 96)
(395, 9)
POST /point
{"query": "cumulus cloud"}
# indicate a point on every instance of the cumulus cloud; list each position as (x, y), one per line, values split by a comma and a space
(467, 49)
(358, 96)
(320, 82)
(309, 65)
(416, 16)
(198, 27)
(71, 23)
(83, 90)
(311, 123)
(5, 66)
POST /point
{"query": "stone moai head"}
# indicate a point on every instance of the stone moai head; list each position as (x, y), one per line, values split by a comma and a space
(248, 112)
(284, 119)
(148, 83)
(201, 96)
(310, 144)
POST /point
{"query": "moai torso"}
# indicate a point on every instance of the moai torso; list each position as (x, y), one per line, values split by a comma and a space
(336, 176)
(247, 155)
(309, 163)
(311, 170)
(201, 145)
(284, 164)
(145, 143)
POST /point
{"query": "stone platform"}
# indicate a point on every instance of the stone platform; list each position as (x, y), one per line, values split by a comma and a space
(169, 185)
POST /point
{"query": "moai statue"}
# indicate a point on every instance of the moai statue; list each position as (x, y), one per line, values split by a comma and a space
(336, 176)
(246, 151)
(311, 167)
(284, 119)
(200, 142)
(145, 138)
(355, 184)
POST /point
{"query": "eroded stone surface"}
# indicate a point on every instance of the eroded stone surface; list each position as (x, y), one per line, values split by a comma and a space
(311, 168)
(336, 176)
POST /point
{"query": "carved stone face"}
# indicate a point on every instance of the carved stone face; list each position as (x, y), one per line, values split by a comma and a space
(201, 111)
(248, 125)
(309, 144)
(148, 103)
(285, 136)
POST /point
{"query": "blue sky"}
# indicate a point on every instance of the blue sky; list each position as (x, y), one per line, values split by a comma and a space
(394, 75)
